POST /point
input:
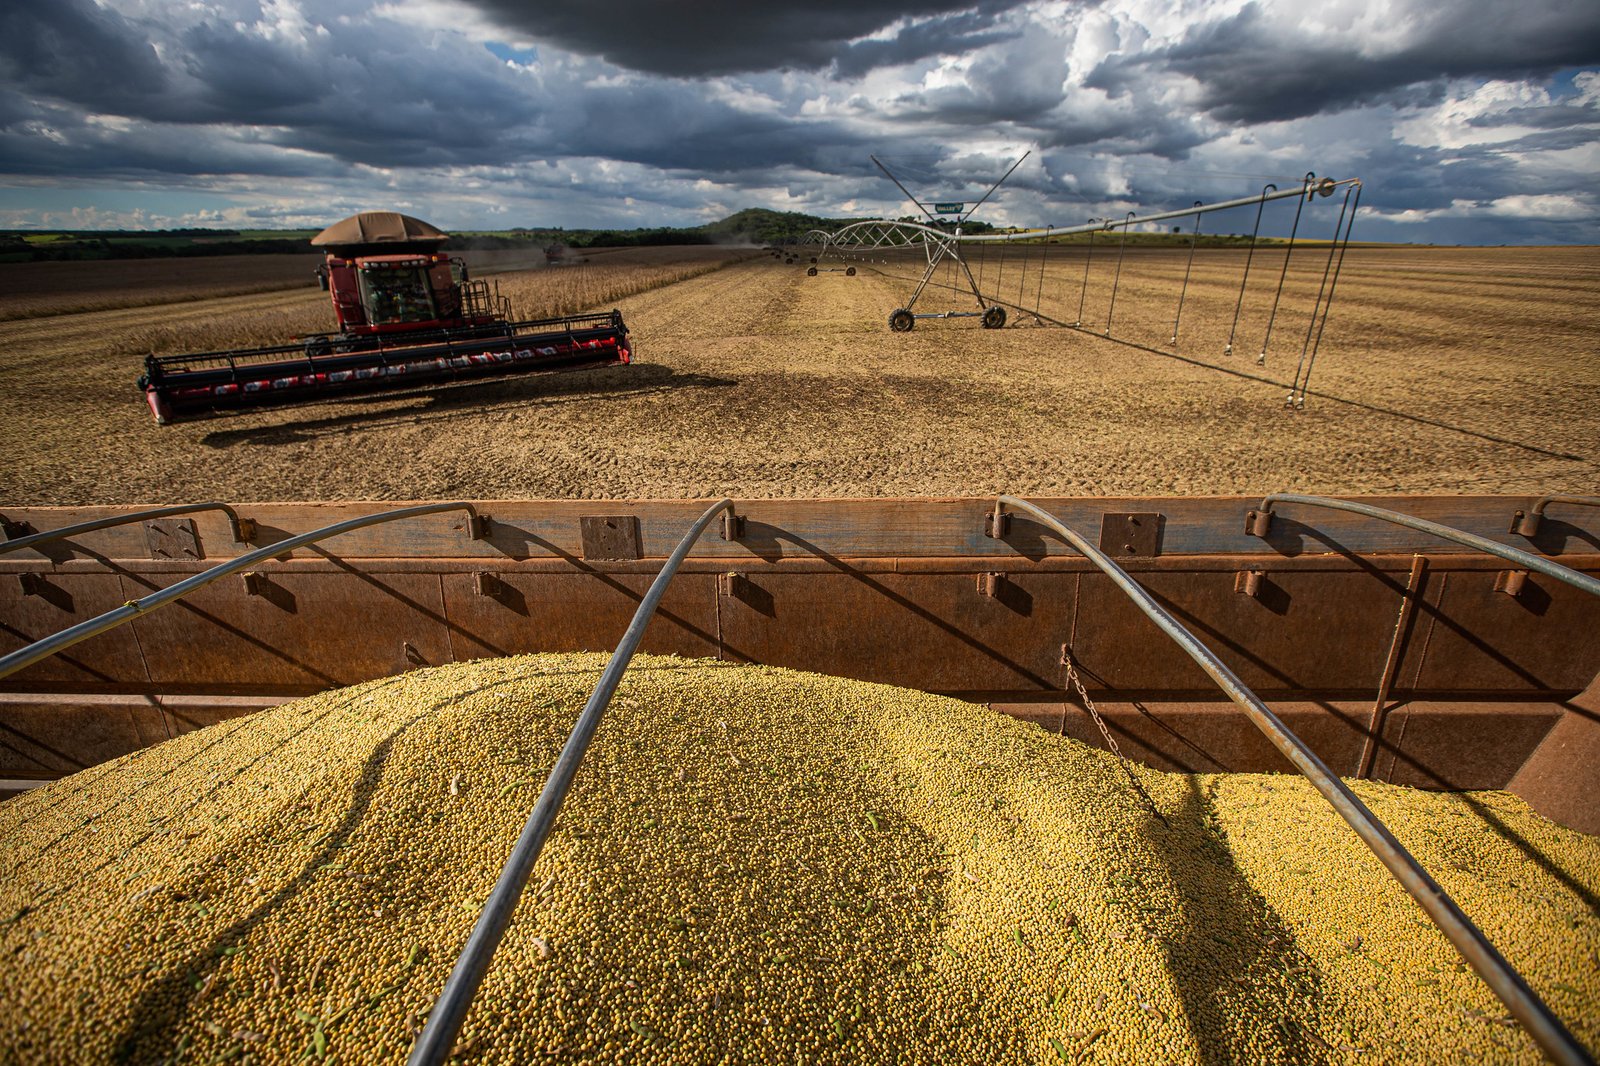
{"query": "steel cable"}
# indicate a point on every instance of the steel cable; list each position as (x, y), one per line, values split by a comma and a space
(1044, 261)
(1087, 260)
(1116, 278)
(1249, 255)
(1194, 239)
(1316, 305)
(1261, 360)
(1349, 226)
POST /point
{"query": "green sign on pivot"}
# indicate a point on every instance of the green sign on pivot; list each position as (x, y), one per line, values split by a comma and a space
(949, 209)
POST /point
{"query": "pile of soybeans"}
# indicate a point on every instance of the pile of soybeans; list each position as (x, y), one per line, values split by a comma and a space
(754, 865)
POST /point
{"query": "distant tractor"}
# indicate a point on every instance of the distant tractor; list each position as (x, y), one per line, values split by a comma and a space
(408, 314)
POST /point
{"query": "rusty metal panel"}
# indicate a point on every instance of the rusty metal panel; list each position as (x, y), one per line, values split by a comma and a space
(923, 630)
(1207, 736)
(49, 738)
(610, 536)
(860, 528)
(34, 605)
(1303, 630)
(173, 538)
(1561, 778)
(578, 611)
(1472, 638)
(315, 631)
(184, 714)
(1458, 745)
(1131, 534)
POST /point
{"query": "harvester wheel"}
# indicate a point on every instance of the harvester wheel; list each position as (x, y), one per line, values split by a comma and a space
(994, 318)
(901, 320)
(849, 272)
(811, 272)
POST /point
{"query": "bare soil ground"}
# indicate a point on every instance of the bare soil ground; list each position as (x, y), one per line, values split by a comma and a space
(1441, 370)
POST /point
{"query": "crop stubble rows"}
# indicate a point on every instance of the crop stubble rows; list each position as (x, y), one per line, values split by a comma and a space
(1442, 370)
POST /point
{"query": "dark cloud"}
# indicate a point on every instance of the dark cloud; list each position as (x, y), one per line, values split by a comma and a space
(712, 37)
(1557, 116)
(76, 50)
(943, 35)
(1253, 68)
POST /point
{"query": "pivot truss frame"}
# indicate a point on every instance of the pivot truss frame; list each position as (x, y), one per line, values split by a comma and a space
(950, 249)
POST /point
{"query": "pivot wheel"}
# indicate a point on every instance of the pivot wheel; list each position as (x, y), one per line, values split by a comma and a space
(849, 272)
(901, 320)
(811, 272)
(994, 318)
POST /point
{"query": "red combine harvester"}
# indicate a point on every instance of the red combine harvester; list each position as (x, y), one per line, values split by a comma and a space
(408, 315)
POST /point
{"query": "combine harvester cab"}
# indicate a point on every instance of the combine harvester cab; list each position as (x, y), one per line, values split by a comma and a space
(408, 315)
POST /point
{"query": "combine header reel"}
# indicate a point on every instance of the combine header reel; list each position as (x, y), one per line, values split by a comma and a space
(408, 315)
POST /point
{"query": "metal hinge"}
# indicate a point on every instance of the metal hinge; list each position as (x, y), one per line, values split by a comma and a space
(14, 530)
(1257, 523)
(1511, 582)
(1525, 523)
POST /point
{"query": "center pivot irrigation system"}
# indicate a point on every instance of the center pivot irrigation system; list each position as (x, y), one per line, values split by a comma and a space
(947, 256)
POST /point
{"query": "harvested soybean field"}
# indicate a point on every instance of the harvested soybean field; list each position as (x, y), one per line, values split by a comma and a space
(825, 871)
(1439, 370)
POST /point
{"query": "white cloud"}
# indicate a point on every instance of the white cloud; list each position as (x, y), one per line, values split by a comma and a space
(1474, 115)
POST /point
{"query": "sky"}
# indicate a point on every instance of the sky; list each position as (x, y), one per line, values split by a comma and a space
(1468, 121)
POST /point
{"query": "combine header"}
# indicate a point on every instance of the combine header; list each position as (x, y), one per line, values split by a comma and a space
(408, 314)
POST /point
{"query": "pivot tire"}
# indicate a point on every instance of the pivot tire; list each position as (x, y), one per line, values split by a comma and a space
(811, 272)
(994, 318)
(849, 272)
(901, 320)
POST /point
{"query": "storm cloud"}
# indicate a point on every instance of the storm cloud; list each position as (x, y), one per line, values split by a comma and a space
(712, 37)
(1478, 122)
